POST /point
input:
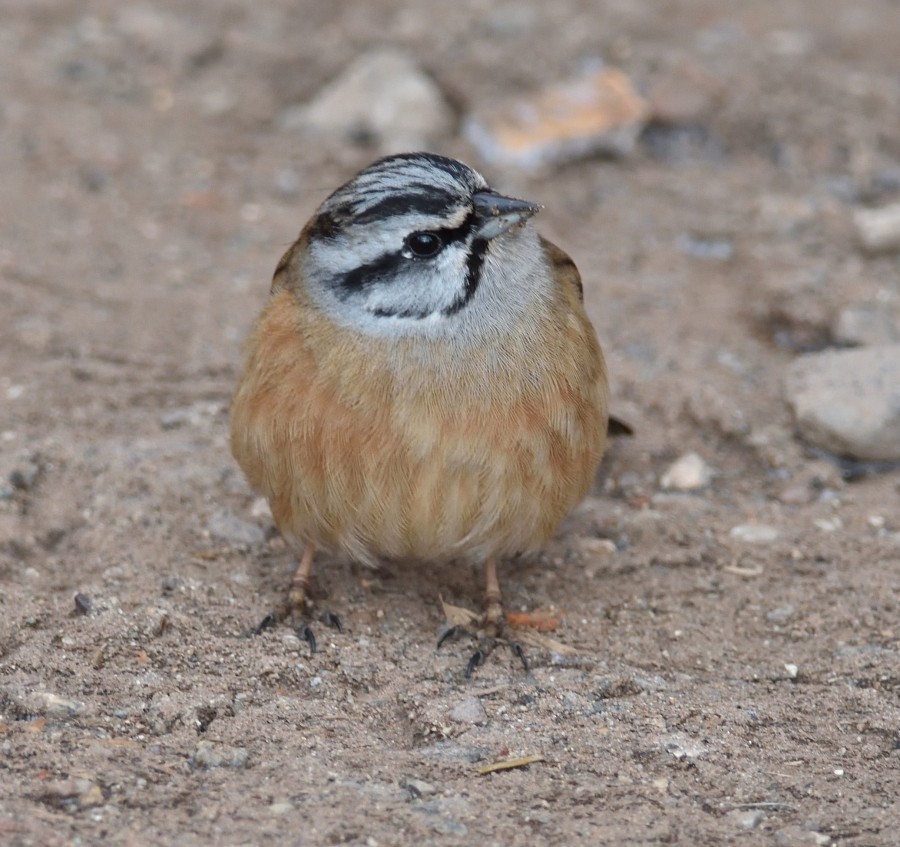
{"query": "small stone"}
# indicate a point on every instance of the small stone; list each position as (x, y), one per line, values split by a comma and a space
(598, 112)
(832, 524)
(74, 793)
(754, 533)
(782, 614)
(53, 706)
(682, 746)
(746, 818)
(174, 419)
(91, 796)
(418, 787)
(878, 229)
(861, 325)
(211, 755)
(792, 670)
(195, 415)
(597, 546)
(228, 527)
(796, 495)
(282, 808)
(689, 473)
(291, 642)
(260, 509)
(83, 604)
(382, 98)
(796, 836)
(848, 401)
(171, 584)
(469, 710)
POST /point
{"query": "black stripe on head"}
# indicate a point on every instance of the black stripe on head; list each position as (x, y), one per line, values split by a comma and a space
(417, 314)
(474, 263)
(460, 233)
(366, 275)
(427, 201)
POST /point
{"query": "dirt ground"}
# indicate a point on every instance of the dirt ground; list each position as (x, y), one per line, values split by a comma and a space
(724, 689)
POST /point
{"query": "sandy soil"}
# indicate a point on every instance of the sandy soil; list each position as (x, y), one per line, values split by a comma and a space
(723, 691)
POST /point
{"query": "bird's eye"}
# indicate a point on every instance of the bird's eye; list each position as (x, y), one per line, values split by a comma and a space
(423, 245)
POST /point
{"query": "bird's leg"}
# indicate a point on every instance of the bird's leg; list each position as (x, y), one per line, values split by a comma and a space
(491, 624)
(298, 596)
(298, 602)
(493, 618)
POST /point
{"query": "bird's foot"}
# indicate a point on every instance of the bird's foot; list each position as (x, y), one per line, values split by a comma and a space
(297, 610)
(489, 630)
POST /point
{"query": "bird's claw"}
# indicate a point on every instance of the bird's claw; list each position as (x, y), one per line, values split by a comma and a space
(487, 644)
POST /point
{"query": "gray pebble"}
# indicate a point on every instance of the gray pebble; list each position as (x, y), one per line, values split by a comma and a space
(797, 836)
(682, 746)
(848, 401)
(175, 418)
(291, 642)
(688, 473)
(383, 97)
(53, 706)
(210, 755)
(746, 818)
(283, 807)
(73, 793)
(469, 710)
(754, 533)
(196, 415)
(866, 324)
(878, 229)
(418, 787)
(781, 615)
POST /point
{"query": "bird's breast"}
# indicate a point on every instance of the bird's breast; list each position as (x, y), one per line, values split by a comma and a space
(410, 448)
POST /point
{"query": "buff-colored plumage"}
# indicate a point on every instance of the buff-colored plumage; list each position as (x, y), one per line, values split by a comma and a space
(398, 448)
(424, 383)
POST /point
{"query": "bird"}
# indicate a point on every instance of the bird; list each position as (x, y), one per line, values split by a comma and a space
(423, 384)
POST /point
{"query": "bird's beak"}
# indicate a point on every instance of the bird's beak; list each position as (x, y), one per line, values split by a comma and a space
(495, 214)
